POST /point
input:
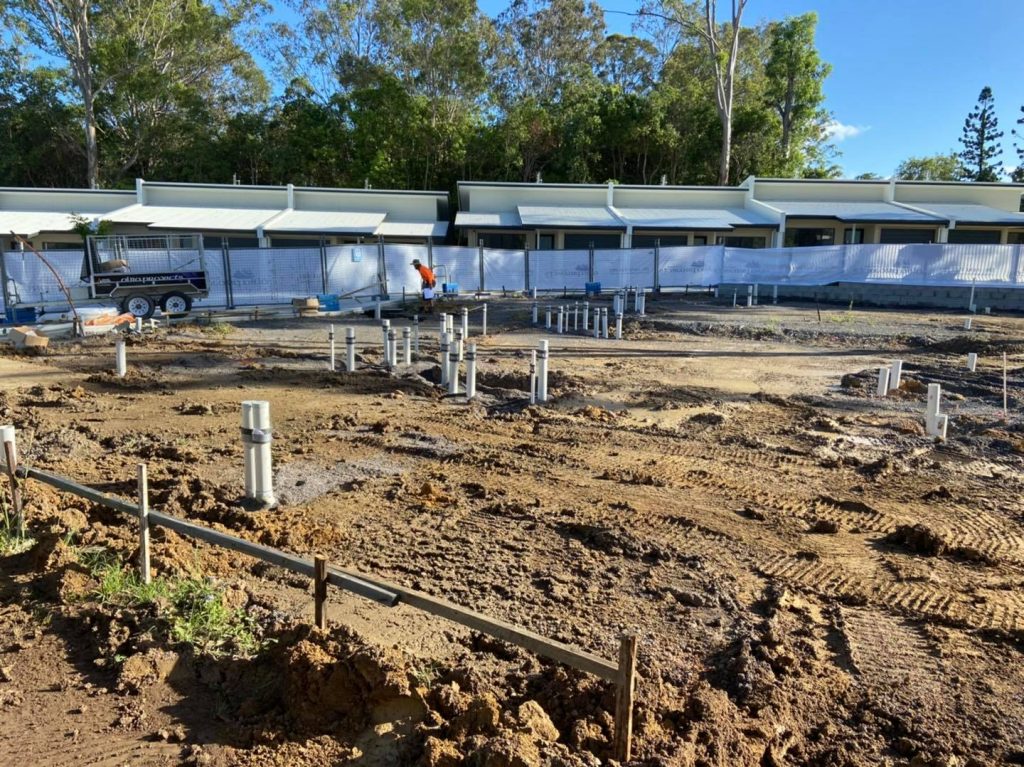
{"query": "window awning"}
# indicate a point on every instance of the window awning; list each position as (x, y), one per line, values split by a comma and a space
(325, 222)
(413, 229)
(973, 214)
(559, 217)
(30, 223)
(694, 219)
(872, 212)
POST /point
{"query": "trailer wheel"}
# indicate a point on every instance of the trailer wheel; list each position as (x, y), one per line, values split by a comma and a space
(139, 306)
(175, 303)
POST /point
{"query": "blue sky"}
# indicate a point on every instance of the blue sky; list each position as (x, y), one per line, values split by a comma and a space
(905, 72)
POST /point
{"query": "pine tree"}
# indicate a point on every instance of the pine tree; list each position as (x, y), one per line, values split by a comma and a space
(981, 140)
(1018, 173)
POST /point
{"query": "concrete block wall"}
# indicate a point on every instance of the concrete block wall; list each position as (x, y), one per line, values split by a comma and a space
(880, 294)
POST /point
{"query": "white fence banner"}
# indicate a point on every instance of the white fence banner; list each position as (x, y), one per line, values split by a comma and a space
(504, 269)
(624, 267)
(682, 266)
(559, 269)
(458, 265)
(352, 268)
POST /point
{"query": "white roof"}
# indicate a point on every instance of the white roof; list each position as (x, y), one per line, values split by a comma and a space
(326, 221)
(876, 211)
(504, 220)
(212, 219)
(568, 217)
(692, 218)
(30, 223)
(972, 213)
(413, 229)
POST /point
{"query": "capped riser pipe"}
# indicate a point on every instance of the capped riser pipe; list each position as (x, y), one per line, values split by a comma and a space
(576, 316)
(604, 323)
(465, 322)
(120, 358)
(547, 319)
(972, 361)
(597, 323)
(138, 324)
(450, 318)
(775, 294)
(392, 349)
(407, 346)
(750, 296)
(586, 316)
(376, 310)
(533, 314)
(935, 422)
(471, 371)
(8, 434)
(350, 349)
(445, 344)
(967, 323)
(330, 341)
(618, 326)
(895, 374)
(533, 293)
(385, 326)
(459, 347)
(483, 320)
(256, 441)
(542, 372)
(643, 304)
(883, 381)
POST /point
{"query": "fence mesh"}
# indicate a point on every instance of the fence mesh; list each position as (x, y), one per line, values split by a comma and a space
(274, 276)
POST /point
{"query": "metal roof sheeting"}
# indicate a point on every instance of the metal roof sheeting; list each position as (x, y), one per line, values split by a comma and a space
(692, 218)
(30, 223)
(413, 229)
(972, 213)
(854, 212)
(568, 217)
(199, 219)
(504, 220)
(326, 222)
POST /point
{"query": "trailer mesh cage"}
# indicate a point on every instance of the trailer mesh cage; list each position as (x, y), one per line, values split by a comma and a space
(149, 253)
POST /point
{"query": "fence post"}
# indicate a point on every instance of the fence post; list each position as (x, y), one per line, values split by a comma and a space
(430, 253)
(624, 689)
(229, 289)
(382, 270)
(526, 268)
(323, 265)
(590, 265)
(657, 265)
(481, 250)
(143, 485)
(320, 592)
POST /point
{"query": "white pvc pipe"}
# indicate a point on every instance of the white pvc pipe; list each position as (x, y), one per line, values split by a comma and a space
(604, 323)
(895, 374)
(121, 358)
(547, 319)
(597, 322)
(385, 327)
(471, 371)
(750, 296)
(407, 345)
(350, 349)
(586, 316)
(575, 316)
(138, 324)
(775, 294)
(935, 422)
(330, 338)
(416, 334)
(883, 381)
(392, 349)
(561, 320)
(533, 293)
(734, 299)
(542, 372)
(459, 344)
(376, 310)
(450, 318)
(636, 301)
(533, 377)
(643, 303)
(256, 439)
(967, 323)
(534, 315)
(615, 303)
(453, 369)
(483, 320)
(444, 346)
(618, 326)
(8, 434)
(972, 361)
(755, 293)
(444, 324)
(465, 322)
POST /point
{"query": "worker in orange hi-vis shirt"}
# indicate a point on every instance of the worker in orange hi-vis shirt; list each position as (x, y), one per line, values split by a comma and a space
(429, 282)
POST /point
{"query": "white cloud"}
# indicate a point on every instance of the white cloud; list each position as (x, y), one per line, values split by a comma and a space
(838, 131)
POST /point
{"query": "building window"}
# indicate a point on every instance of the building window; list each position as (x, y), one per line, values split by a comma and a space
(742, 242)
(700, 239)
(663, 240)
(600, 241)
(545, 242)
(806, 238)
(974, 237)
(853, 236)
(288, 242)
(502, 240)
(906, 236)
(1022, 203)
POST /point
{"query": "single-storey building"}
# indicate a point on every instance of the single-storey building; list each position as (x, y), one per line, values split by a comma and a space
(755, 214)
(241, 216)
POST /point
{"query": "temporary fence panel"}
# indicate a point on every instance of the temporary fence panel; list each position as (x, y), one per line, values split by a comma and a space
(274, 276)
(351, 268)
(559, 269)
(401, 275)
(504, 269)
(680, 266)
(32, 282)
(980, 264)
(624, 267)
(458, 265)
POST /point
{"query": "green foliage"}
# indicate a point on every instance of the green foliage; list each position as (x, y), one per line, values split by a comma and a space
(188, 610)
(1018, 172)
(12, 541)
(939, 167)
(84, 226)
(980, 139)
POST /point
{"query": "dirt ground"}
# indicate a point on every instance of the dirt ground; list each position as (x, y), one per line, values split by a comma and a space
(813, 580)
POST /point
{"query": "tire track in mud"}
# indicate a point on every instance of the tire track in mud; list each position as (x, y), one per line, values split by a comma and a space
(887, 651)
(94, 749)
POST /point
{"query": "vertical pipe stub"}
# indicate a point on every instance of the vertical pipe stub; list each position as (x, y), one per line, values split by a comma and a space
(256, 440)
(121, 358)
(350, 349)
(470, 371)
(542, 372)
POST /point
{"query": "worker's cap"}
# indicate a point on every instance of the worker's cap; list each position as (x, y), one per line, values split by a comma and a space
(415, 262)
